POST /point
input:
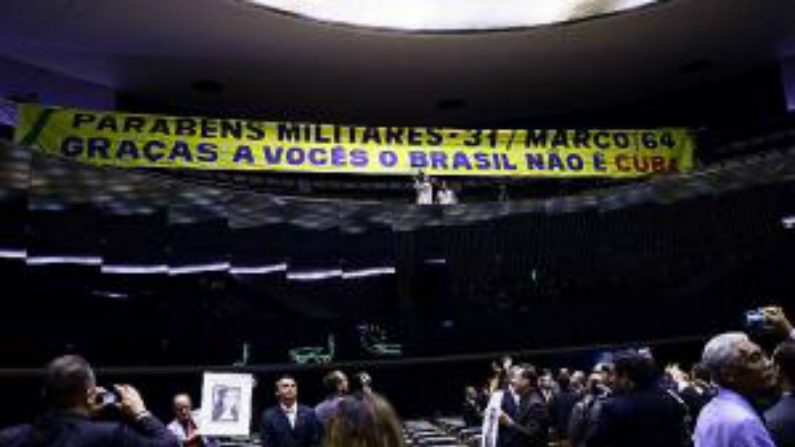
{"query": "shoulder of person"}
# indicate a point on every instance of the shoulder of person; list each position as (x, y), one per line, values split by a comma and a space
(739, 422)
(620, 404)
(783, 410)
(613, 400)
(305, 409)
(270, 411)
(104, 429)
(745, 427)
(15, 436)
(537, 399)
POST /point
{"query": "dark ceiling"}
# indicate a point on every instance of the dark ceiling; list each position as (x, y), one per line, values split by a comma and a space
(251, 60)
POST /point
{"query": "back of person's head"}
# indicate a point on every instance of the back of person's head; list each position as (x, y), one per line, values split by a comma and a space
(606, 370)
(700, 372)
(335, 382)
(564, 380)
(362, 381)
(636, 366)
(784, 358)
(595, 384)
(577, 382)
(364, 420)
(67, 381)
(530, 373)
(506, 362)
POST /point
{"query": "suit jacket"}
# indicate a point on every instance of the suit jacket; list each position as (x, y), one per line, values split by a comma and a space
(648, 418)
(275, 429)
(66, 429)
(582, 419)
(781, 421)
(510, 407)
(560, 409)
(531, 425)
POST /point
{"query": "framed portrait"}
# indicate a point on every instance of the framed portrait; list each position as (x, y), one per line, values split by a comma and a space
(226, 404)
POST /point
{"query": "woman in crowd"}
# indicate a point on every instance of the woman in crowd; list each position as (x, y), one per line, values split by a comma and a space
(364, 420)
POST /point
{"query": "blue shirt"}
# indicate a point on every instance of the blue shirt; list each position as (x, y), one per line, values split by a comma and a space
(730, 421)
(327, 409)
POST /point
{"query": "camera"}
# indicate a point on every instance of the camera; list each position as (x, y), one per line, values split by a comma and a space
(107, 398)
(755, 319)
(106, 405)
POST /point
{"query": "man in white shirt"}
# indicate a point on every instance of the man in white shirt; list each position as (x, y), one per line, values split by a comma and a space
(185, 424)
(446, 196)
(290, 424)
(503, 401)
(424, 189)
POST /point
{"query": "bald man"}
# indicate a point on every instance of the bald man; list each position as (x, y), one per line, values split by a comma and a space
(185, 426)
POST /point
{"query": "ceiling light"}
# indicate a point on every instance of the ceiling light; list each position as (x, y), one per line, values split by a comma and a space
(450, 15)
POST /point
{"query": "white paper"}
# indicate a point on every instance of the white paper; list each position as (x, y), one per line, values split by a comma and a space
(491, 420)
(226, 404)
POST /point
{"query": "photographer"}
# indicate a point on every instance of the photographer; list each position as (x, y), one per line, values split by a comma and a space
(73, 399)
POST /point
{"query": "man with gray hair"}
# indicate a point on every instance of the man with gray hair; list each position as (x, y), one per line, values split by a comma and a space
(743, 373)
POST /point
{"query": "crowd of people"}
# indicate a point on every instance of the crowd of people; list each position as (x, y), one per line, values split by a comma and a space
(81, 414)
(735, 397)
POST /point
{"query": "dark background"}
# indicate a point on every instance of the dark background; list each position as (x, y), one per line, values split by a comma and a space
(677, 270)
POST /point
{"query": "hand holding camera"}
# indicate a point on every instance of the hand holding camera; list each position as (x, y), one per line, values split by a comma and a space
(778, 321)
(123, 398)
(131, 402)
(769, 319)
(99, 400)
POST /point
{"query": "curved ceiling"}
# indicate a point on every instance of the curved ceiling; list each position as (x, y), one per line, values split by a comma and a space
(280, 66)
(450, 15)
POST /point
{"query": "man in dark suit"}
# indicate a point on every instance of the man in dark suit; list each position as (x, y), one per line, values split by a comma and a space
(530, 427)
(509, 405)
(72, 397)
(781, 418)
(562, 404)
(290, 424)
(639, 413)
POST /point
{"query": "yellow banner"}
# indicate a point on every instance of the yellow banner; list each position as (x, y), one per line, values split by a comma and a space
(151, 141)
